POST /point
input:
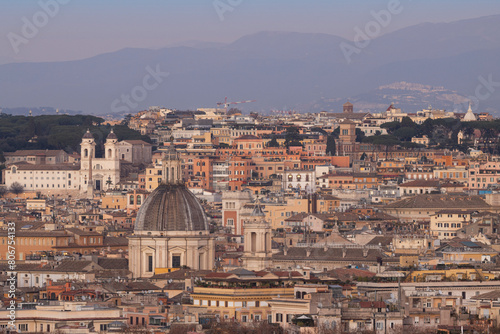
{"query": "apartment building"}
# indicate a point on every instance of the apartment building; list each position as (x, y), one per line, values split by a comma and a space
(484, 175)
(63, 317)
(445, 223)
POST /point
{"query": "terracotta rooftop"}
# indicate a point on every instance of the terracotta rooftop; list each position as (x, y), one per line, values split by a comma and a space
(440, 201)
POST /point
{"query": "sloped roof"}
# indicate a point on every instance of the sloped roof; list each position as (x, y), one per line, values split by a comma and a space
(26, 166)
(70, 266)
(440, 201)
(336, 238)
(183, 274)
(110, 263)
(331, 254)
(115, 241)
(247, 137)
(137, 142)
(77, 231)
(492, 295)
(379, 239)
(344, 274)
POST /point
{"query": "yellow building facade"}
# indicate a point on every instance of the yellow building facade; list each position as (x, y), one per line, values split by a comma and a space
(241, 304)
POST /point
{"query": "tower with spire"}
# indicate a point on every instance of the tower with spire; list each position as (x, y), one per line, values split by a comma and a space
(257, 244)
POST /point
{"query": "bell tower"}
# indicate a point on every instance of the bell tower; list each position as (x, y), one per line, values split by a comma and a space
(111, 162)
(111, 152)
(257, 234)
(87, 149)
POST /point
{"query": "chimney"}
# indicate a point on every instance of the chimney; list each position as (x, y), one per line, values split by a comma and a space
(67, 286)
(344, 252)
(285, 250)
(308, 252)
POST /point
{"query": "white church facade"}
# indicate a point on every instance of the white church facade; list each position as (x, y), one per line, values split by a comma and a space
(90, 175)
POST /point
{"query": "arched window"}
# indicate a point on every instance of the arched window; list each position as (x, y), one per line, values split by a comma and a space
(138, 200)
(253, 246)
(110, 153)
(86, 153)
(131, 201)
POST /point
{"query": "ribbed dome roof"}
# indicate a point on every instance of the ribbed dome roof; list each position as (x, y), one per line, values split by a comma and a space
(171, 207)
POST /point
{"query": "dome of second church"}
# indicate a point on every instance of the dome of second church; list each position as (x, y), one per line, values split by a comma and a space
(171, 206)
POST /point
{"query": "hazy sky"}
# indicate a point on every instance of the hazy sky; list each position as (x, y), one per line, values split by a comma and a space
(84, 28)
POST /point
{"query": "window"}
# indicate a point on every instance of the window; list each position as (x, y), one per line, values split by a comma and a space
(176, 261)
(150, 263)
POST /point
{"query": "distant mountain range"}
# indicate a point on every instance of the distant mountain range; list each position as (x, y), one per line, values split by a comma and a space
(305, 72)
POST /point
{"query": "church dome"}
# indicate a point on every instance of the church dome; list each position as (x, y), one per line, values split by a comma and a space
(469, 116)
(111, 135)
(171, 207)
(88, 135)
